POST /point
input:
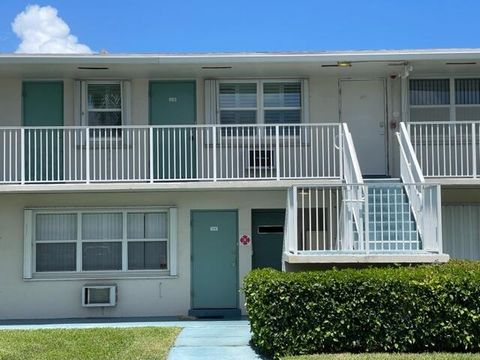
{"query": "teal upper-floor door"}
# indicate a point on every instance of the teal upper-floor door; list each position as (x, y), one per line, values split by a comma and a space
(173, 103)
(42, 106)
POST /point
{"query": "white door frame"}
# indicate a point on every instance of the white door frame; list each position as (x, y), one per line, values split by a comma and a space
(385, 111)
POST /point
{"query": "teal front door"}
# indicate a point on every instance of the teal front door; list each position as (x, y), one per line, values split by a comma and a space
(173, 103)
(42, 106)
(214, 260)
(267, 239)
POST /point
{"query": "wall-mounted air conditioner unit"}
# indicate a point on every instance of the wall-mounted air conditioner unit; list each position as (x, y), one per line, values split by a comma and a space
(99, 295)
(261, 159)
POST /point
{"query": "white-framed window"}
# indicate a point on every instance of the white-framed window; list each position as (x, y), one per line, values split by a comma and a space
(444, 99)
(100, 240)
(102, 103)
(246, 102)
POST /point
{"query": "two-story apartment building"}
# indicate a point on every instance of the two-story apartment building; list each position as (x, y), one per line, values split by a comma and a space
(149, 185)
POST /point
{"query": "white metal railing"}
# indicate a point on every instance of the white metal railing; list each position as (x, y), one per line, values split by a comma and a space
(446, 148)
(410, 173)
(170, 153)
(351, 211)
(320, 227)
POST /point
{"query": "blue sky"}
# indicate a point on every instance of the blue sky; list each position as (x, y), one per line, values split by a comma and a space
(249, 25)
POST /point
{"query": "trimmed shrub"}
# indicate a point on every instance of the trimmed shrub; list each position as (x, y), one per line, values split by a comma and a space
(394, 309)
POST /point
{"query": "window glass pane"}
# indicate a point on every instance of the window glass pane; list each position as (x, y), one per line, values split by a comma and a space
(282, 116)
(147, 255)
(55, 227)
(467, 91)
(430, 114)
(430, 92)
(56, 257)
(101, 256)
(109, 118)
(242, 95)
(467, 113)
(102, 226)
(104, 96)
(282, 94)
(147, 225)
(231, 117)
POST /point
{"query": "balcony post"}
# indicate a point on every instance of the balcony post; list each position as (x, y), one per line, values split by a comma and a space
(150, 134)
(214, 128)
(277, 150)
(474, 151)
(22, 155)
(87, 155)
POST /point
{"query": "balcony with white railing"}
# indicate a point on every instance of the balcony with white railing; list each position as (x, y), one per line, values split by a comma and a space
(380, 221)
(156, 154)
(447, 150)
(331, 224)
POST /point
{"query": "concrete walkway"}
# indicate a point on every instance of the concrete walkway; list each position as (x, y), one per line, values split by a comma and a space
(199, 339)
(219, 340)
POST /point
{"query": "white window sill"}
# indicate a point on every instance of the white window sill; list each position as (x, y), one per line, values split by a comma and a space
(132, 275)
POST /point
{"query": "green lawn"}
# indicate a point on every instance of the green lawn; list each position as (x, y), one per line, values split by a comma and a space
(425, 356)
(80, 344)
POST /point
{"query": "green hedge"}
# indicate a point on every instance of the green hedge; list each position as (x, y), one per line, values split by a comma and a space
(394, 309)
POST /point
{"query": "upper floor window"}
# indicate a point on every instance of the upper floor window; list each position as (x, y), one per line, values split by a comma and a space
(104, 104)
(264, 102)
(445, 99)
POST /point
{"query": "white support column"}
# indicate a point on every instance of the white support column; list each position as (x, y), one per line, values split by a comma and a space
(439, 219)
(214, 128)
(277, 150)
(150, 133)
(474, 152)
(22, 155)
(87, 154)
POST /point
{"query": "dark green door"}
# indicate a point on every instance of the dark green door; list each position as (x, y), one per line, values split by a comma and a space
(173, 103)
(214, 259)
(267, 239)
(42, 105)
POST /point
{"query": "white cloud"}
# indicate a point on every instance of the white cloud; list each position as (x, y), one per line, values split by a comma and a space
(41, 30)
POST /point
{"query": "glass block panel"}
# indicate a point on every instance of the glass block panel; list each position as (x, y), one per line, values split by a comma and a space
(147, 226)
(430, 114)
(282, 94)
(467, 91)
(147, 255)
(102, 226)
(104, 96)
(243, 95)
(430, 92)
(282, 116)
(56, 257)
(55, 227)
(109, 118)
(101, 256)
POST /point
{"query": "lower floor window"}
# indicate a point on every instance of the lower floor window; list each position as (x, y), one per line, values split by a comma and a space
(98, 240)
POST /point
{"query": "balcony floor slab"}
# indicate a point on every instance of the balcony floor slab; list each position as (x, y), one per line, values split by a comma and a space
(375, 258)
(163, 186)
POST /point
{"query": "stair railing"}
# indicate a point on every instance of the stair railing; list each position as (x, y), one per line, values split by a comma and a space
(355, 207)
(424, 201)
